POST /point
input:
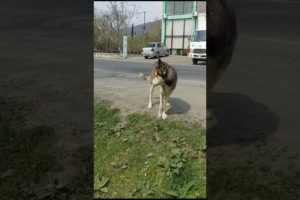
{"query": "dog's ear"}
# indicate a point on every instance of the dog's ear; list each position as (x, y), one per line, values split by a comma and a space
(159, 61)
(164, 70)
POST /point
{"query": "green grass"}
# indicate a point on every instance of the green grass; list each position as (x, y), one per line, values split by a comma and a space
(25, 158)
(249, 181)
(142, 157)
(30, 165)
(82, 182)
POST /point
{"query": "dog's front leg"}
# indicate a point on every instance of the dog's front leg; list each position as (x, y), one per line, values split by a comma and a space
(150, 97)
(160, 110)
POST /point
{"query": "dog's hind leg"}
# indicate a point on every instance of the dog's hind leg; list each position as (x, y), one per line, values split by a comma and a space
(165, 103)
(150, 97)
(161, 103)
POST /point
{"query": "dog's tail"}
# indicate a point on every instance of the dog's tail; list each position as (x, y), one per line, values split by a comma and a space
(144, 77)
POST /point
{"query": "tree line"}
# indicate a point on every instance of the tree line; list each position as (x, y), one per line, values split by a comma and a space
(112, 24)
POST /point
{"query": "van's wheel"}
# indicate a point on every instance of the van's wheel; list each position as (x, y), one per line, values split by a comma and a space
(146, 57)
(195, 61)
(157, 54)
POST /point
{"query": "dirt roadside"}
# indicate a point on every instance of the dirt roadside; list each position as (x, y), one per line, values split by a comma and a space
(130, 94)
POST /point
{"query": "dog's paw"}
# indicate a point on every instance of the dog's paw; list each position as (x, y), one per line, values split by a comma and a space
(164, 116)
(159, 115)
(149, 106)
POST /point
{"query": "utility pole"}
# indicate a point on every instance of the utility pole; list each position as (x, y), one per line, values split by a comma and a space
(144, 22)
(144, 29)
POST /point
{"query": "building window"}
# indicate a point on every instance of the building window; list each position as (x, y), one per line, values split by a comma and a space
(179, 7)
(201, 6)
(170, 7)
(188, 7)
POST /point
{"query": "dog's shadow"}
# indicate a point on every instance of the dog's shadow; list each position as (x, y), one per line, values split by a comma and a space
(177, 106)
(239, 120)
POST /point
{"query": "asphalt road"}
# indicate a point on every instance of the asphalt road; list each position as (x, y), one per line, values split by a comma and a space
(258, 95)
(118, 82)
(118, 68)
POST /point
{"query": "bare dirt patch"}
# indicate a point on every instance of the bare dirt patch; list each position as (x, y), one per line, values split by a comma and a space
(188, 102)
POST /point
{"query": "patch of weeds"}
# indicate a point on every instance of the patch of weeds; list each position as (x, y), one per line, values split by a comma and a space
(144, 188)
(174, 164)
(84, 178)
(26, 157)
(121, 165)
(146, 157)
(100, 183)
(241, 181)
(53, 190)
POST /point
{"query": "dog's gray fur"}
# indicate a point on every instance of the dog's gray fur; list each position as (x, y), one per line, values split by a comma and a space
(165, 76)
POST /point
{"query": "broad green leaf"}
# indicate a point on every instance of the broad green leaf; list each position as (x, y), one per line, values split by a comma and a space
(104, 190)
(97, 182)
(171, 193)
(183, 160)
(173, 165)
(149, 155)
(162, 162)
(124, 165)
(100, 124)
(176, 171)
(116, 164)
(140, 187)
(103, 182)
(156, 137)
(147, 185)
(176, 151)
(180, 165)
(169, 173)
(189, 185)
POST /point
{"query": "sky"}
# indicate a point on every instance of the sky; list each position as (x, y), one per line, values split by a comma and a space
(153, 10)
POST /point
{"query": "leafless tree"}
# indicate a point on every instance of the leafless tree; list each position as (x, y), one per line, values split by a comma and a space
(109, 25)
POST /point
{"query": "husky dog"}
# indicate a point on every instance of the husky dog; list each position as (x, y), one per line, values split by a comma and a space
(165, 76)
(222, 35)
(221, 38)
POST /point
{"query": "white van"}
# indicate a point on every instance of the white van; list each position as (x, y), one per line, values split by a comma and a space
(198, 46)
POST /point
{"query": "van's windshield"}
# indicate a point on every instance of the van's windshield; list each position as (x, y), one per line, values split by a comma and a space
(199, 36)
(151, 45)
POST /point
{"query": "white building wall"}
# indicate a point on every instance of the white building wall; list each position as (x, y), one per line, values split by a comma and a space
(201, 21)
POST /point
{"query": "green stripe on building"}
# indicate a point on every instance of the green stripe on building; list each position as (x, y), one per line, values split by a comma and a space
(163, 24)
(184, 15)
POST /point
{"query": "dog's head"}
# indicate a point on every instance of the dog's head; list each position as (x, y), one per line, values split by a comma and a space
(160, 72)
(221, 36)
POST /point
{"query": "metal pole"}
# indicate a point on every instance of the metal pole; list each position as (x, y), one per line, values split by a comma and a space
(144, 23)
